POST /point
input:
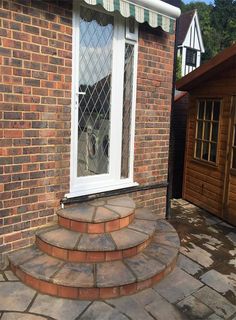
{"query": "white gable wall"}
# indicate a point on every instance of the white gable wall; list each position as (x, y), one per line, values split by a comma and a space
(194, 41)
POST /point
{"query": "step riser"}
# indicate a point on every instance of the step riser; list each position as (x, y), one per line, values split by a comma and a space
(93, 256)
(94, 228)
(89, 293)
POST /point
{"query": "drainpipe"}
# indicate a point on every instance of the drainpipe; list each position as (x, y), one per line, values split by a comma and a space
(171, 147)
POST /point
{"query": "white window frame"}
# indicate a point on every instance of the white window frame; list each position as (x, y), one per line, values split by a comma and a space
(104, 182)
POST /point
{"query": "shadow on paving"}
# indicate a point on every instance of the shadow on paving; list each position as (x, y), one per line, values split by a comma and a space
(211, 243)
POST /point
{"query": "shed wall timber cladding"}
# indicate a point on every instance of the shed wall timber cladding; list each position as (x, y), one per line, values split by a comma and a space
(203, 183)
(35, 97)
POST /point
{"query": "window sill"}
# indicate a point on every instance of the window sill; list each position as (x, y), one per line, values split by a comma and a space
(205, 163)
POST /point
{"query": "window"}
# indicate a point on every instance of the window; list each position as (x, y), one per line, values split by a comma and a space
(207, 128)
(191, 57)
(233, 163)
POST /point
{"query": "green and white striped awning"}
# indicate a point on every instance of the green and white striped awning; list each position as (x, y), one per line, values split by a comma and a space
(143, 12)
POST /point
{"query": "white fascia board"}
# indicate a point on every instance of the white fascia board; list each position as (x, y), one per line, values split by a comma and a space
(158, 6)
(199, 33)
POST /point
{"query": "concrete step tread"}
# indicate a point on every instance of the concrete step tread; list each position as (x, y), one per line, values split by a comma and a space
(133, 235)
(152, 261)
(99, 211)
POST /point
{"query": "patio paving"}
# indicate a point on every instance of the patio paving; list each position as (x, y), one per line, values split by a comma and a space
(202, 286)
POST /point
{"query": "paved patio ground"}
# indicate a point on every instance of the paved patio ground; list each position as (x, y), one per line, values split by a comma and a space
(202, 286)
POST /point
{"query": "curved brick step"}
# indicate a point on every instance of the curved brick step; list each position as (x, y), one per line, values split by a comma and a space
(83, 247)
(98, 216)
(101, 280)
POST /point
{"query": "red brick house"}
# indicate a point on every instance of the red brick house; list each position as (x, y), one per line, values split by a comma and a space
(85, 91)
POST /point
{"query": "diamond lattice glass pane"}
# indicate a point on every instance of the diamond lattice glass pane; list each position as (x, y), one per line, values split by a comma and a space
(95, 65)
(127, 108)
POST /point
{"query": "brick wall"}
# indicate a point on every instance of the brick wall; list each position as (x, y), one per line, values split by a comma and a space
(35, 93)
(154, 90)
(35, 90)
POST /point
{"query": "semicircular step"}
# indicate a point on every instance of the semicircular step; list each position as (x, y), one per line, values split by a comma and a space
(98, 216)
(101, 280)
(83, 247)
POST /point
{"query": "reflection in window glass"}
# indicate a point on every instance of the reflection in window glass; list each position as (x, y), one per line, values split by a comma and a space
(234, 149)
(207, 130)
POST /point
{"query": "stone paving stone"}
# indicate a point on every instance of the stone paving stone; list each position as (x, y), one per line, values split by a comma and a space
(10, 276)
(103, 214)
(21, 316)
(160, 309)
(121, 202)
(144, 267)
(96, 242)
(194, 308)
(61, 237)
(211, 220)
(111, 274)
(58, 308)
(220, 282)
(126, 238)
(221, 306)
(168, 238)
(197, 254)
(80, 212)
(76, 274)
(145, 226)
(2, 278)
(102, 311)
(188, 265)
(20, 256)
(131, 308)
(177, 285)
(146, 296)
(121, 211)
(215, 317)
(164, 226)
(145, 214)
(164, 254)
(97, 203)
(15, 296)
(42, 267)
(232, 237)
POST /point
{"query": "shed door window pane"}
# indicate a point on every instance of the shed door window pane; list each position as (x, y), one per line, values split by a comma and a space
(207, 128)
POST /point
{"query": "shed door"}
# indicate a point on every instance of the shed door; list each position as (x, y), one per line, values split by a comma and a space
(229, 201)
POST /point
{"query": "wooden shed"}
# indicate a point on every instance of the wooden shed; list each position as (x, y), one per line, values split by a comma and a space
(210, 154)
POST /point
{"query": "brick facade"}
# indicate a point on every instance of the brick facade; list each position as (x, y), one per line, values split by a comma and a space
(35, 98)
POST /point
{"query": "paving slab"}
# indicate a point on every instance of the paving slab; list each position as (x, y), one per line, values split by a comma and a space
(188, 265)
(15, 296)
(58, 308)
(144, 267)
(162, 253)
(144, 226)
(131, 308)
(221, 306)
(194, 308)
(215, 317)
(96, 242)
(111, 274)
(160, 309)
(61, 237)
(121, 211)
(167, 238)
(177, 285)
(121, 202)
(21, 316)
(80, 212)
(104, 214)
(76, 274)
(2, 278)
(122, 238)
(232, 237)
(164, 226)
(102, 311)
(220, 282)
(10, 276)
(199, 255)
(146, 296)
(145, 214)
